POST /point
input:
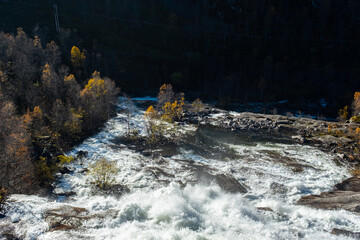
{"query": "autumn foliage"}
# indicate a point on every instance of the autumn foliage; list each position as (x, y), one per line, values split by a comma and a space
(103, 173)
(77, 57)
(44, 109)
(169, 109)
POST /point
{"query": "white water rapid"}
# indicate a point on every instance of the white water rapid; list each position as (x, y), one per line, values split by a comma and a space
(158, 206)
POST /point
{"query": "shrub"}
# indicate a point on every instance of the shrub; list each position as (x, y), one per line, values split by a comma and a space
(166, 94)
(103, 173)
(154, 127)
(173, 110)
(344, 114)
(197, 106)
(356, 104)
(43, 171)
(3, 197)
(65, 159)
(355, 119)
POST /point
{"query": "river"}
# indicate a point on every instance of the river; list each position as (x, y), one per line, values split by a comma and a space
(159, 205)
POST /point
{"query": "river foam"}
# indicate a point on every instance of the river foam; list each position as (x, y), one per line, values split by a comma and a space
(159, 207)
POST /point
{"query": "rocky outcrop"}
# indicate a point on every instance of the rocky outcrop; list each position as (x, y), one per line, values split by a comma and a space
(69, 217)
(340, 232)
(66, 218)
(345, 196)
(335, 200)
(227, 183)
(351, 184)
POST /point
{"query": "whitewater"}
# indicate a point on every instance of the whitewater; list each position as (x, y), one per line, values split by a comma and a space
(159, 205)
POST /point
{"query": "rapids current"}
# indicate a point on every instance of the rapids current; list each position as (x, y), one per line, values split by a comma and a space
(159, 205)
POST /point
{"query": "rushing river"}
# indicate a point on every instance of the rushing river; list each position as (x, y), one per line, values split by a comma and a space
(158, 205)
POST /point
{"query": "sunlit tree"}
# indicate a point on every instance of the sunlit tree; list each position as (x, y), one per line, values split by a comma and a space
(77, 57)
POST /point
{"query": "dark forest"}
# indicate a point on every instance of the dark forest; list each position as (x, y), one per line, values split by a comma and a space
(225, 51)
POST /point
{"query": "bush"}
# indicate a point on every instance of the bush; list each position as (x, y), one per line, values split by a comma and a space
(355, 119)
(356, 104)
(44, 173)
(154, 127)
(344, 114)
(65, 159)
(103, 173)
(3, 198)
(197, 106)
(173, 110)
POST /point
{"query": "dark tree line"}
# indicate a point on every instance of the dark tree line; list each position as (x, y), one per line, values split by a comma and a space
(239, 50)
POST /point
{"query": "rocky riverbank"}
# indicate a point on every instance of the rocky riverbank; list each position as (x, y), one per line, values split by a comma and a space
(336, 137)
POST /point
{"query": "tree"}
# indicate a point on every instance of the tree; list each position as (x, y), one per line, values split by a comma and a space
(153, 125)
(356, 104)
(97, 98)
(3, 197)
(129, 111)
(53, 54)
(343, 114)
(73, 89)
(17, 170)
(165, 95)
(103, 173)
(51, 83)
(77, 57)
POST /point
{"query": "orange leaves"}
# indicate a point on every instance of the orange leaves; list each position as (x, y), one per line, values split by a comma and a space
(46, 71)
(37, 113)
(357, 131)
(95, 86)
(69, 78)
(150, 112)
(357, 96)
(173, 110)
(164, 88)
(356, 104)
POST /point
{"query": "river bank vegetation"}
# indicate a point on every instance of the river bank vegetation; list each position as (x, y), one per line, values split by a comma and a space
(45, 108)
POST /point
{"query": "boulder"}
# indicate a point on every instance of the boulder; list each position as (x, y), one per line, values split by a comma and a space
(227, 183)
(66, 218)
(336, 231)
(346, 200)
(351, 184)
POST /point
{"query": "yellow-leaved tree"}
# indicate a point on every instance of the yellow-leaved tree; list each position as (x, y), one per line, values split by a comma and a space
(97, 98)
(77, 57)
(103, 173)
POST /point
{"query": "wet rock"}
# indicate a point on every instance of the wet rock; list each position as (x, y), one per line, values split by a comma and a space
(338, 232)
(278, 188)
(299, 139)
(351, 184)
(83, 170)
(159, 173)
(297, 169)
(228, 183)
(7, 232)
(63, 192)
(335, 200)
(66, 218)
(82, 154)
(116, 190)
(265, 209)
(8, 236)
(66, 170)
